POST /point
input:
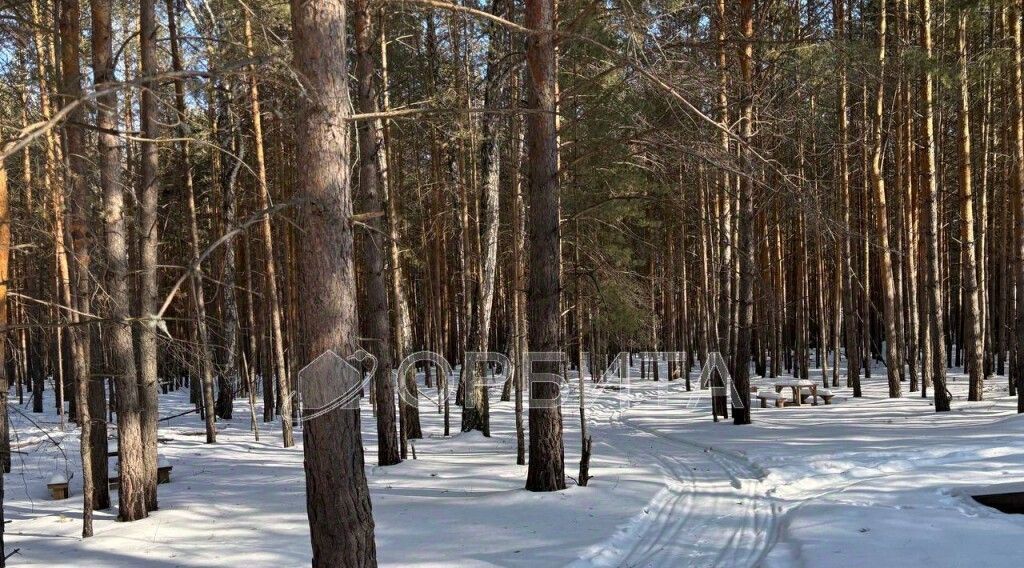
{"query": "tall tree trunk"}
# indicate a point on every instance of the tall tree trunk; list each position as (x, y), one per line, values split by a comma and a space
(337, 496)
(40, 362)
(5, 256)
(723, 201)
(270, 271)
(131, 494)
(261, 170)
(741, 407)
(850, 315)
(894, 365)
(410, 412)
(251, 356)
(150, 240)
(723, 211)
(969, 275)
(519, 299)
(930, 187)
(547, 466)
(476, 413)
(91, 401)
(27, 342)
(1018, 192)
(227, 375)
(909, 224)
(198, 295)
(375, 323)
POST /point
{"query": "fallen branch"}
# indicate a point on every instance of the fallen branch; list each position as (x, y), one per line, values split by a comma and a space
(177, 415)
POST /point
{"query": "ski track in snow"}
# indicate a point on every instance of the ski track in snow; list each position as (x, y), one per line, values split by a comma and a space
(801, 487)
(712, 511)
(721, 508)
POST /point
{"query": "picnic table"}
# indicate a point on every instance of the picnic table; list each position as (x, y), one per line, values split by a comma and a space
(796, 385)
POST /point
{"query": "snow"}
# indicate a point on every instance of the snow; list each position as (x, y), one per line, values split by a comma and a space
(858, 482)
(791, 382)
(57, 478)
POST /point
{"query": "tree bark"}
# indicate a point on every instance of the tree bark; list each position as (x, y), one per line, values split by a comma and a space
(476, 413)
(893, 362)
(547, 466)
(91, 401)
(410, 413)
(198, 295)
(519, 300)
(930, 187)
(1018, 192)
(148, 230)
(850, 315)
(227, 375)
(270, 271)
(337, 496)
(723, 206)
(5, 255)
(402, 324)
(741, 407)
(969, 275)
(40, 360)
(131, 494)
(375, 323)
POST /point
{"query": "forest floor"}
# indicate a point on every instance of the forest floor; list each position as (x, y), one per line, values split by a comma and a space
(850, 484)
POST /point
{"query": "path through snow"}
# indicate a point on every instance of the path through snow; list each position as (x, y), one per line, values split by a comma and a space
(857, 483)
(713, 509)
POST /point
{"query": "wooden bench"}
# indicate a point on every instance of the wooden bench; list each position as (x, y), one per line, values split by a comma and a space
(765, 396)
(58, 487)
(824, 394)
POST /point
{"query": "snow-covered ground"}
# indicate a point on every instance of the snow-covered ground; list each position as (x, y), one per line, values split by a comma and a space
(851, 484)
